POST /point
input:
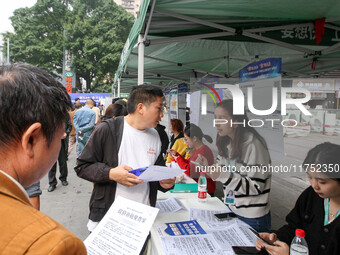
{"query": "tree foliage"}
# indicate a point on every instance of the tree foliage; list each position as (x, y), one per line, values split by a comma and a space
(96, 35)
(93, 30)
(38, 34)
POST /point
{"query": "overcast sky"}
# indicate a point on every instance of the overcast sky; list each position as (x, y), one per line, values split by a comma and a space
(7, 8)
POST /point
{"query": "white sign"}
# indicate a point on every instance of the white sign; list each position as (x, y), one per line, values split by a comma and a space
(337, 85)
(314, 84)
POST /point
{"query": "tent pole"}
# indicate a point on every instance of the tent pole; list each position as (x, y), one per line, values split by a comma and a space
(215, 67)
(149, 21)
(187, 63)
(233, 30)
(228, 59)
(166, 76)
(189, 38)
(118, 88)
(183, 65)
(331, 49)
(336, 28)
(140, 60)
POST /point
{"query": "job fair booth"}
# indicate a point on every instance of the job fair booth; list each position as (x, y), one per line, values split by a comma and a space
(211, 51)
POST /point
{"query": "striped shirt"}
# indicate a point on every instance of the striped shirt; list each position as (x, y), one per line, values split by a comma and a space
(249, 177)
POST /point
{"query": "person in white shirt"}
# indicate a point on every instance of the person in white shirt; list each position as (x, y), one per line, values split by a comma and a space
(121, 144)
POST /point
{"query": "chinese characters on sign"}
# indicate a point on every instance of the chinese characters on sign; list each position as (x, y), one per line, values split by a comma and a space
(299, 33)
(306, 32)
(68, 60)
(69, 84)
(68, 75)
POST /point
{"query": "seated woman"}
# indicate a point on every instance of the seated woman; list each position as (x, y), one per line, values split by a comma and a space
(317, 209)
(176, 141)
(193, 136)
(241, 166)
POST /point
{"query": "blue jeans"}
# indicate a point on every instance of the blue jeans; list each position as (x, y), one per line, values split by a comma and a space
(261, 224)
(81, 141)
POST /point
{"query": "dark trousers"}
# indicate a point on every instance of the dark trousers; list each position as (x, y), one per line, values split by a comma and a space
(62, 166)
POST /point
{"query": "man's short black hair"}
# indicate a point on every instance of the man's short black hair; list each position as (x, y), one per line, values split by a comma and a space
(77, 106)
(145, 94)
(28, 95)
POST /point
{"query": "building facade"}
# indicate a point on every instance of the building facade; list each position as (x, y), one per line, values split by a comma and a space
(131, 6)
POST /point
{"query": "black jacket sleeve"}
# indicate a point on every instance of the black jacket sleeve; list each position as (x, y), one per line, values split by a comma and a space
(68, 125)
(296, 218)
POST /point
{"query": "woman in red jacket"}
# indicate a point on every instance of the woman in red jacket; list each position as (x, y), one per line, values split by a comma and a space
(193, 136)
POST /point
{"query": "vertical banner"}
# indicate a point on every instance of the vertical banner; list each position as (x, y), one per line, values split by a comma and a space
(182, 101)
(69, 76)
(261, 85)
(166, 118)
(174, 103)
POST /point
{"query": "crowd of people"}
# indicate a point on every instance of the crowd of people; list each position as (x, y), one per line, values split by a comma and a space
(128, 136)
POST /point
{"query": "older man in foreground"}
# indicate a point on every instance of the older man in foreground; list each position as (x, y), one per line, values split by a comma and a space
(33, 109)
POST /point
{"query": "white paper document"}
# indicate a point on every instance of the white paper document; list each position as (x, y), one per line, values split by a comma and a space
(188, 245)
(206, 215)
(222, 224)
(172, 204)
(158, 173)
(237, 234)
(123, 230)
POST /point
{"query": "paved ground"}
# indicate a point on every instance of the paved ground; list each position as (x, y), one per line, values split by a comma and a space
(69, 205)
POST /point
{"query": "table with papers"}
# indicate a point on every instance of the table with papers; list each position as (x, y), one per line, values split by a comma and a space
(184, 212)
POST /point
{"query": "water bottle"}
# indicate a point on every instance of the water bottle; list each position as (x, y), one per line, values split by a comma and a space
(299, 245)
(202, 188)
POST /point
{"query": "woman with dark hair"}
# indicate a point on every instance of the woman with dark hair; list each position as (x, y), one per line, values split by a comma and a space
(240, 166)
(317, 209)
(114, 110)
(193, 137)
(176, 141)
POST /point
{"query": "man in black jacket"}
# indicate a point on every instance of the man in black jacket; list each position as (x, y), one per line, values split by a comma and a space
(62, 159)
(165, 144)
(121, 144)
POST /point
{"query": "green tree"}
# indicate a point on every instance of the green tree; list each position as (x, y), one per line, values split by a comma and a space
(38, 34)
(96, 34)
(93, 30)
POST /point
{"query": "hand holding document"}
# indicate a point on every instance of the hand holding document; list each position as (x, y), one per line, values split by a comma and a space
(123, 230)
(158, 173)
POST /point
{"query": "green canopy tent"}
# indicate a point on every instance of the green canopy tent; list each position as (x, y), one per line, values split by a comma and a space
(175, 40)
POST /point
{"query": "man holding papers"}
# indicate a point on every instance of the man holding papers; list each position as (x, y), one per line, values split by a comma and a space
(122, 144)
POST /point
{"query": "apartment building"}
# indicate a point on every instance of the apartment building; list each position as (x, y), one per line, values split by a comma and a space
(131, 6)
